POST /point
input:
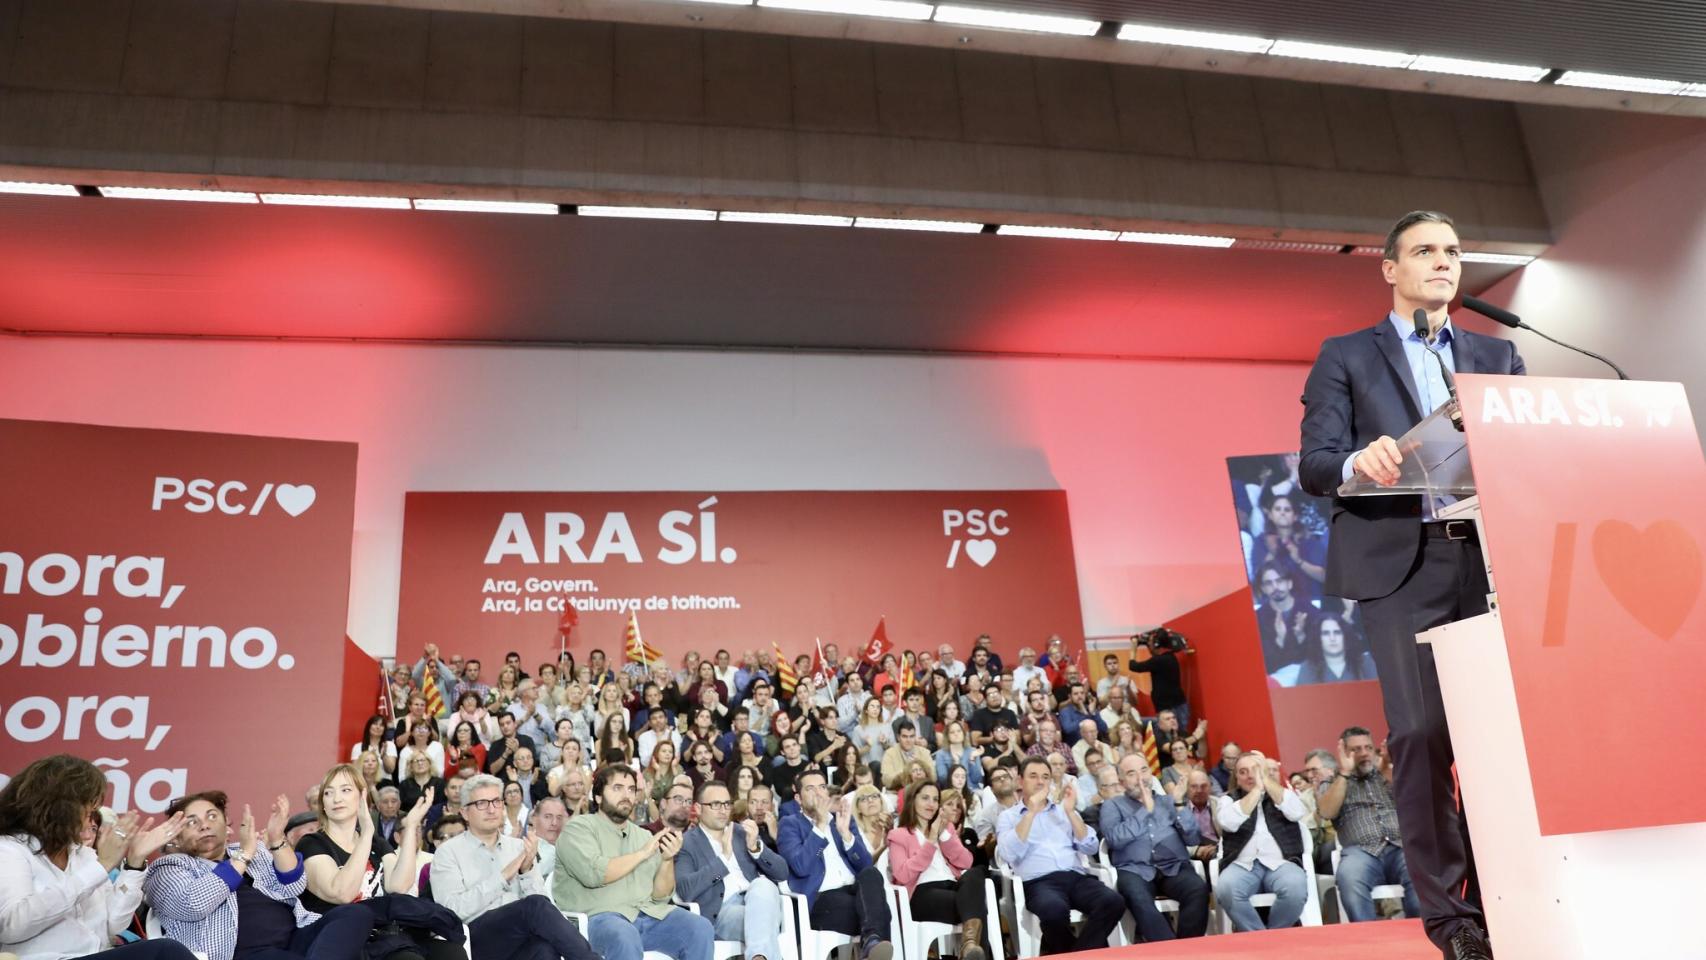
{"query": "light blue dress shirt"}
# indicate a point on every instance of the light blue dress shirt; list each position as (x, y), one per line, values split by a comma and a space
(1051, 846)
(1425, 374)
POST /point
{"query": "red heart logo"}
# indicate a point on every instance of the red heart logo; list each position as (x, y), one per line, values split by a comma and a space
(1653, 573)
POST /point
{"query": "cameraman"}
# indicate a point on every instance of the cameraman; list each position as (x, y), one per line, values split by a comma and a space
(1166, 690)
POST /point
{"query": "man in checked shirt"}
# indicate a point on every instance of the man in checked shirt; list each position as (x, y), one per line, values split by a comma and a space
(1358, 799)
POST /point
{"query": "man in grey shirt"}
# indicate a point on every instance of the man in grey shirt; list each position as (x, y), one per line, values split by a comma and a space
(497, 886)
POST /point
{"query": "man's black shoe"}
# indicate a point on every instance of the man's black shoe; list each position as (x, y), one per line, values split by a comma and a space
(1468, 943)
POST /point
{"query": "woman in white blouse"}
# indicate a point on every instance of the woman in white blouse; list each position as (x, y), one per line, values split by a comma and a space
(422, 739)
(57, 897)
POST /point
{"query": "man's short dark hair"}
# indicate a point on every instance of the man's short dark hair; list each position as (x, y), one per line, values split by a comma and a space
(512, 653)
(1409, 220)
(904, 726)
(609, 772)
(506, 715)
(710, 784)
(784, 741)
(215, 797)
(1032, 761)
(1278, 570)
(471, 662)
(1007, 760)
(913, 691)
(598, 653)
(1355, 732)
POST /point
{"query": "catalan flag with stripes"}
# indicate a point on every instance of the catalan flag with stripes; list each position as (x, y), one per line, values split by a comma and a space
(786, 678)
(1150, 754)
(635, 648)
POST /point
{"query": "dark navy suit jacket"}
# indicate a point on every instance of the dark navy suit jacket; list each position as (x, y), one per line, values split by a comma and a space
(699, 872)
(1361, 389)
(803, 849)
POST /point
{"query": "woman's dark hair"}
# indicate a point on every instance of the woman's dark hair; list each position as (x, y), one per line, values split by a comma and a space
(50, 800)
(465, 695)
(473, 734)
(909, 806)
(1352, 640)
(367, 732)
(215, 797)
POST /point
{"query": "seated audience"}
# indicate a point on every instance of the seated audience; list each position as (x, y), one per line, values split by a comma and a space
(1150, 838)
(957, 750)
(1200, 796)
(927, 857)
(516, 809)
(244, 899)
(761, 814)
(1042, 839)
(1222, 771)
(464, 742)
(524, 772)
(1358, 800)
(726, 869)
(501, 751)
(496, 884)
(69, 883)
(829, 863)
(1108, 786)
(622, 877)
(1263, 847)
(546, 822)
(471, 709)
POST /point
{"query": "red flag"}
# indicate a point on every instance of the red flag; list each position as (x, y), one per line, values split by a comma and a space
(880, 643)
(821, 671)
(385, 696)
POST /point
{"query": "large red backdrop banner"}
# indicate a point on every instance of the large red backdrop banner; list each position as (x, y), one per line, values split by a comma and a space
(172, 606)
(487, 573)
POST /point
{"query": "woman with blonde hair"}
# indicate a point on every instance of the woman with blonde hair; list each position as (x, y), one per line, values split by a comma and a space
(348, 860)
(1126, 740)
(505, 691)
(610, 704)
(872, 818)
(576, 795)
(367, 765)
(662, 770)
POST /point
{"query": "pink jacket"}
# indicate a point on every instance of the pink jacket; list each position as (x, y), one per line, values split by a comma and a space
(908, 858)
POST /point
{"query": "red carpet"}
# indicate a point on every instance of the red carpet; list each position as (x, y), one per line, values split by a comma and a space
(1379, 940)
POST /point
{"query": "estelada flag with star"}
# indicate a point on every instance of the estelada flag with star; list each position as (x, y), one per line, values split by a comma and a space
(880, 643)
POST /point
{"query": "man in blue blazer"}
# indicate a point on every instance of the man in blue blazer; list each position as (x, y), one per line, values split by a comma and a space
(1408, 571)
(732, 876)
(829, 864)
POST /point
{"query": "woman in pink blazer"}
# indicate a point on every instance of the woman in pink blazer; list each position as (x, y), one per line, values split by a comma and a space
(928, 859)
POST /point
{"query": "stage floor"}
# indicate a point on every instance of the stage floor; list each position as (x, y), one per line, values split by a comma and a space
(1376, 940)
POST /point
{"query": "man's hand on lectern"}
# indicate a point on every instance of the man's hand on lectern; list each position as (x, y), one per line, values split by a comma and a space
(1379, 461)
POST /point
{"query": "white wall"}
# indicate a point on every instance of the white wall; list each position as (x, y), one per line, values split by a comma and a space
(1626, 194)
(1138, 446)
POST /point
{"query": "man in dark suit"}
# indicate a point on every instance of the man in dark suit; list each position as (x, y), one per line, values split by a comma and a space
(732, 876)
(1408, 571)
(829, 864)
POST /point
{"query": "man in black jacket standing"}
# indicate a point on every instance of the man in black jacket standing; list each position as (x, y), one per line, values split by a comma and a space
(1408, 571)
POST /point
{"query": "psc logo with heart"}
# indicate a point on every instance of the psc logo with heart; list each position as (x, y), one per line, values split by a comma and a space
(975, 533)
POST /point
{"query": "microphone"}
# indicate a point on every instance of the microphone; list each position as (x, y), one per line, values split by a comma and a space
(1420, 318)
(1510, 319)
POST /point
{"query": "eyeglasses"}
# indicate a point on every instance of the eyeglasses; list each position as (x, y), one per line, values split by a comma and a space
(490, 803)
(717, 804)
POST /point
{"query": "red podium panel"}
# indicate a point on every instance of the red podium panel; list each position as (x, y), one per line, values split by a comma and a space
(1593, 501)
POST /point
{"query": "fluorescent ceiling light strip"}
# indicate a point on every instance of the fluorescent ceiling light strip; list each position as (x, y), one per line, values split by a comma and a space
(1611, 81)
(319, 200)
(795, 219)
(726, 3)
(1061, 233)
(1288, 246)
(936, 226)
(173, 193)
(38, 189)
(485, 206)
(1003, 20)
(1692, 90)
(1367, 251)
(649, 213)
(892, 9)
(1512, 259)
(1177, 239)
(1332, 53)
(1479, 68)
(1237, 43)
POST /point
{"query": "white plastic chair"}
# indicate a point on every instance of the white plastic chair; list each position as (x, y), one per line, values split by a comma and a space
(1312, 893)
(152, 929)
(1377, 893)
(1027, 929)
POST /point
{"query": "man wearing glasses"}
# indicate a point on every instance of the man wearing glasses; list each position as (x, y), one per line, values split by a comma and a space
(676, 810)
(732, 876)
(496, 884)
(622, 878)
